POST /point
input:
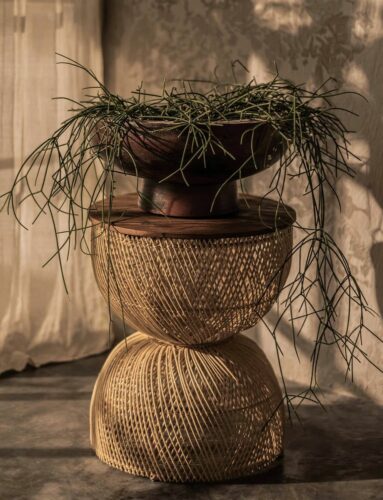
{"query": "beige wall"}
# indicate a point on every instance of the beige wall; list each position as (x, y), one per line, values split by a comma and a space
(308, 40)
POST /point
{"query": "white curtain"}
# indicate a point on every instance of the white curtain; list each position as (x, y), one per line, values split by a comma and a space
(39, 322)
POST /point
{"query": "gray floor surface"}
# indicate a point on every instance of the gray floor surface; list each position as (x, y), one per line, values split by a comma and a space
(45, 453)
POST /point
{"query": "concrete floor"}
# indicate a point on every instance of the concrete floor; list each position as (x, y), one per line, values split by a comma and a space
(45, 454)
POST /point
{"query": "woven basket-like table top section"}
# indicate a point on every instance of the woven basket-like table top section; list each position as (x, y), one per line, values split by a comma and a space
(191, 291)
(195, 289)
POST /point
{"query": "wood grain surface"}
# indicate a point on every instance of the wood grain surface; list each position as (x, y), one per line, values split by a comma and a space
(256, 216)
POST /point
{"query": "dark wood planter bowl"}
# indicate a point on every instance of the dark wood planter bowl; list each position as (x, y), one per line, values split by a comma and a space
(153, 151)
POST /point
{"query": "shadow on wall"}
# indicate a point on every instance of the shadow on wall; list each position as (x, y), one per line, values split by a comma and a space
(147, 40)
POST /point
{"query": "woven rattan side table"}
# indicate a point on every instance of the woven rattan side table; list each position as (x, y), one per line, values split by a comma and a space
(187, 397)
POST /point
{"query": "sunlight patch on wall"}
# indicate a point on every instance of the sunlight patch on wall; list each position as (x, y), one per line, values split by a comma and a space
(289, 15)
(360, 148)
(259, 69)
(368, 23)
(356, 79)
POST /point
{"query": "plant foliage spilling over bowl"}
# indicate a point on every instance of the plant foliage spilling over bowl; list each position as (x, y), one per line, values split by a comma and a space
(192, 138)
(184, 179)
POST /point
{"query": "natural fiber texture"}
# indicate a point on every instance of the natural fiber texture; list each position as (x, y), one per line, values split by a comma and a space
(191, 291)
(183, 401)
(181, 414)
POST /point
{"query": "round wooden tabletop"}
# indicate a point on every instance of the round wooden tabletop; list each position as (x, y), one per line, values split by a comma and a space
(256, 216)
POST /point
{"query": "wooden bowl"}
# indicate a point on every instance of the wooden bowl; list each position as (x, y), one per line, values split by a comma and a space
(156, 149)
(178, 181)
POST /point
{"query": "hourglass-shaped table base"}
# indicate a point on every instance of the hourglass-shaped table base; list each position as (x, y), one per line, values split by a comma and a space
(191, 399)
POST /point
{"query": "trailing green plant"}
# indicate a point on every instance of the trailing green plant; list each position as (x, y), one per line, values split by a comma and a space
(79, 164)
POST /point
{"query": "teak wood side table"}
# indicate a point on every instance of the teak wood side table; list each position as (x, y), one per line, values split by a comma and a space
(188, 397)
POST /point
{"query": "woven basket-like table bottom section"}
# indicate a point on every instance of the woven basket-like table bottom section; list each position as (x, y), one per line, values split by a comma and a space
(182, 414)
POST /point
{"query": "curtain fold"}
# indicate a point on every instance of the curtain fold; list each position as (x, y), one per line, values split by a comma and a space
(40, 323)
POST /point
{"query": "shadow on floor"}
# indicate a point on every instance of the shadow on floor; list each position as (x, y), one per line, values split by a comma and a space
(343, 443)
(85, 367)
(69, 452)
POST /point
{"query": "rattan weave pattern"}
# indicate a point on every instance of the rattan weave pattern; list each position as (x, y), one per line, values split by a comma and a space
(189, 398)
(191, 291)
(181, 414)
